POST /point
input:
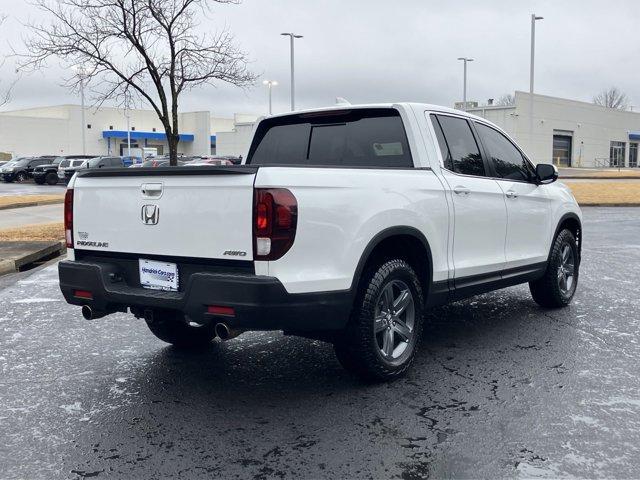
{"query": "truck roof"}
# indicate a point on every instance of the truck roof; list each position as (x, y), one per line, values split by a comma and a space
(344, 106)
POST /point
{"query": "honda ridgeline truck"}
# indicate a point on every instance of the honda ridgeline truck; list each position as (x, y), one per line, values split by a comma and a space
(343, 224)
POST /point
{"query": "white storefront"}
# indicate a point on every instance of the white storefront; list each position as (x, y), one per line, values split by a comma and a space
(57, 130)
(568, 132)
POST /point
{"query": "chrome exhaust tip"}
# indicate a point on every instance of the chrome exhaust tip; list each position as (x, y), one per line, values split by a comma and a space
(224, 332)
(87, 312)
(90, 314)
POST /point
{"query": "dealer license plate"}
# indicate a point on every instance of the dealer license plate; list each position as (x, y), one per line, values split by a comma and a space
(158, 275)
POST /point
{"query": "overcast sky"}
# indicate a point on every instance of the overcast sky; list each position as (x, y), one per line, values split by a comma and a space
(402, 50)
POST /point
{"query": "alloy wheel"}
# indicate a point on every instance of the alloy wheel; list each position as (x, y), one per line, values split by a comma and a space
(394, 321)
(566, 270)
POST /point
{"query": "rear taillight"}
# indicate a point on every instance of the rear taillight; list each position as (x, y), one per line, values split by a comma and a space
(68, 217)
(275, 217)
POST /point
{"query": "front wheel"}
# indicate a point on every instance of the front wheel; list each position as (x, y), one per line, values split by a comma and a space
(384, 331)
(172, 327)
(21, 177)
(558, 285)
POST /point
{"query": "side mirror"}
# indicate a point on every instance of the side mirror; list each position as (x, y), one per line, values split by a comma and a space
(546, 173)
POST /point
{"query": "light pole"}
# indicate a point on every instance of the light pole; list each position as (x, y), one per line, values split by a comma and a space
(270, 84)
(534, 18)
(292, 37)
(464, 87)
(533, 49)
(81, 72)
(127, 113)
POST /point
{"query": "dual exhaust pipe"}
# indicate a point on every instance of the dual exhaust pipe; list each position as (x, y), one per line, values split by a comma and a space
(223, 331)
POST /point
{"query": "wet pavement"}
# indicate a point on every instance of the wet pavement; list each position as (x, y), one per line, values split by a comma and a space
(500, 388)
(30, 188)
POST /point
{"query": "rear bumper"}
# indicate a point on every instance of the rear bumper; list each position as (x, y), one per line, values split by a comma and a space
(259, 302)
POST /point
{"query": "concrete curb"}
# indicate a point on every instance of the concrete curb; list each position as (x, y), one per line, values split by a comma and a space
(578, 177)
(609, 205)
(15, 264)
(32, 204)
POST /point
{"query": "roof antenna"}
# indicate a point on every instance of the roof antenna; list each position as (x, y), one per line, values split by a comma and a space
(342, 101)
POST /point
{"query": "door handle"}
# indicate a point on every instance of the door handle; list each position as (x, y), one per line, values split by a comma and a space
(461, 190)
(511, 194)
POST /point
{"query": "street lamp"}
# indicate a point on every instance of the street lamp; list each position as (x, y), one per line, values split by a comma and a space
(292, 36)
(533, 49)
(270, 84)
(464, 88)
(81, 72)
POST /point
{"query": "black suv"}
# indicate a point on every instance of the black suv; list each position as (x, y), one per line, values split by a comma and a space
(66, 172)
(49, 173)
(21, 169)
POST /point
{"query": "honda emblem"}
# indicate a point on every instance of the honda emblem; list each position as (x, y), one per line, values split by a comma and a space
(150, 214)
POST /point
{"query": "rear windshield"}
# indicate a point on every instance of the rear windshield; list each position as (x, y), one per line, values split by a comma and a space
(347, 138)
(77, 163)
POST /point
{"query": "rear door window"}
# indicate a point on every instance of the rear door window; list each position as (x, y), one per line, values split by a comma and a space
(348, 138)
(462, 146)
(507, 160)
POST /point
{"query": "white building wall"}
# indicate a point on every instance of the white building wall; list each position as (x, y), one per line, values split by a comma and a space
(236, 142)
(593, 127)
(57, 130)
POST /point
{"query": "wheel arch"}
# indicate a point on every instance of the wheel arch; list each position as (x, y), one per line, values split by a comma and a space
(382, 245)
(571, 221)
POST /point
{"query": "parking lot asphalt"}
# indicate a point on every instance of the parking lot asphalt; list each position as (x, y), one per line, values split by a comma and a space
(30, 188)
(17, 217)
(500, 388)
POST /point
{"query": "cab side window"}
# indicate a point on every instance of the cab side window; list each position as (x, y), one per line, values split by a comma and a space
(507, 159)
(462, 146)
(442, 143)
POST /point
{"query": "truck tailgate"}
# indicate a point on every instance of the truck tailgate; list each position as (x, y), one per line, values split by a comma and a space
(186, 212)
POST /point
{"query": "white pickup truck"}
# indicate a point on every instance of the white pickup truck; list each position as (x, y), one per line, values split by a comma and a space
(343, 224)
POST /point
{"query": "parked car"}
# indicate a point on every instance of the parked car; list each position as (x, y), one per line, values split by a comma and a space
(48, 173)
(65, 173)
(160, 162)
(209, 162)
(343, 225)
(21, 169)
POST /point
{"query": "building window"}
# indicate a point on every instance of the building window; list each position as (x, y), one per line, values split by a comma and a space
(89, 126)
(154, 129)
(133, 129)
(616, 154)
(110, 127)
(633, 154)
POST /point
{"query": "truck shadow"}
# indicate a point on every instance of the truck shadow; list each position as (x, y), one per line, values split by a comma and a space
(271, 391)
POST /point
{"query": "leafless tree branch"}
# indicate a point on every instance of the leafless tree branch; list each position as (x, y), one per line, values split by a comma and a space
(612, 98)
(150, 48)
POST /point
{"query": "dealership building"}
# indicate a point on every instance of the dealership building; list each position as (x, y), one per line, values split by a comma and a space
(57, 130)
(566, 132)
(549, 129)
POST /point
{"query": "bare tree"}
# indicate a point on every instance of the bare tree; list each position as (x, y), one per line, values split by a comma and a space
(150, 49)
(506, 100)
(5, 93)
(612, 98)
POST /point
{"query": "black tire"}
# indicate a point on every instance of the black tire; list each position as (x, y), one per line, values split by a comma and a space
(360, 346)
(171, 327)
(554, 289)
(21, 177)
(51, 179)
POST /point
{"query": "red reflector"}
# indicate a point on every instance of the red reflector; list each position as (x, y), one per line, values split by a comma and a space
(219, 310)
(83, 294)
(68, 217)
(262, 220)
